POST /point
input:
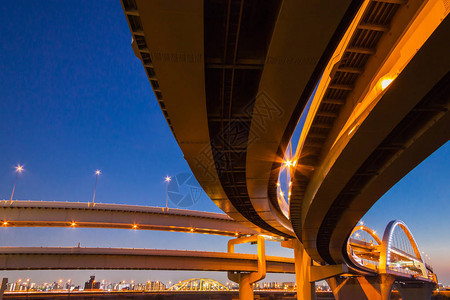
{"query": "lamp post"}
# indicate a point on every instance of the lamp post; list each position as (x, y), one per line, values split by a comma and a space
(97, 172)
(167, 179)
(19, 170)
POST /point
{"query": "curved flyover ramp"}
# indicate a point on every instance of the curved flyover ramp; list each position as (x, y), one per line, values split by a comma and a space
(388, 120)
(88, 215)
(232, 78)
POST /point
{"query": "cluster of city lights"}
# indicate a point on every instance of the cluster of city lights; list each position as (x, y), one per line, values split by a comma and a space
(286, 166)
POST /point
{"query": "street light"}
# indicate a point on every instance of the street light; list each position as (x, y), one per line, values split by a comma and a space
(97, 172)
(167, 179)
(19, 170)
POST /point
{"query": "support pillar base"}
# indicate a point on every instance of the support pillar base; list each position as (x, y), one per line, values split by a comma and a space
(415, 290)
(306, 290)
(362, 287)
(245, 285)
(3, 287)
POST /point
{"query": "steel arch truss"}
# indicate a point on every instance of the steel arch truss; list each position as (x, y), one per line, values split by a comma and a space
(199, 284)
(397, 253)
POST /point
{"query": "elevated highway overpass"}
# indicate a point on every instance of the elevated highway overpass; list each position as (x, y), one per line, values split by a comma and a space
(399, 263)
(75, 258)
(376, 137)
(99, 215)
(233, 78)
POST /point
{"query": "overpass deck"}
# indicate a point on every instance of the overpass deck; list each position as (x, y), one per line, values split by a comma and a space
(99, 215)
(76, 258)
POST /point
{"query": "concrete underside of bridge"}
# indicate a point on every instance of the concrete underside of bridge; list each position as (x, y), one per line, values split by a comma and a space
(232, 79)
(407, 125)
(212, 65)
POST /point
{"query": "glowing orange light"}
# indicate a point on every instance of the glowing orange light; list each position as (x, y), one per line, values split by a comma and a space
(290, 183)
(192, 229)
(386, 82)
(288, 163)
(19, 168)
(294, 163)
(167, 179)
(278, 183)
(5, 223)
(353, 129)
(281, 194)
(134, 226)
(236, 234)
(73, 224)
(98, 172)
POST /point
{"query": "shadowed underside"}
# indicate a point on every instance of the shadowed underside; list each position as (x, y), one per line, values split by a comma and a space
(408, 123)
(233, 77)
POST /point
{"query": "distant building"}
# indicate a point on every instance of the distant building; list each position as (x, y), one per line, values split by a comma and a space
(289, 285)
(92, 284)
(274, 285)
(155, 286)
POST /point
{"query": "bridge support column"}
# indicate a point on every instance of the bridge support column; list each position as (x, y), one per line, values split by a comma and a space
(362, 287)
(306, 290)
(245, 280)
(415, 290)
(245, 284)
(304, 277)
(3, 287)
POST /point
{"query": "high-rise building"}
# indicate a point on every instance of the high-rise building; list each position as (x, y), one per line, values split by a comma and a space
(92, 284)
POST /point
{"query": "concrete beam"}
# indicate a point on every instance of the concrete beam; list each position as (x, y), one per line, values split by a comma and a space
(70, 214)
(52, 258)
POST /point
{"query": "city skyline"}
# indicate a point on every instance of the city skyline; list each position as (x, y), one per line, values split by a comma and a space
(71, 108)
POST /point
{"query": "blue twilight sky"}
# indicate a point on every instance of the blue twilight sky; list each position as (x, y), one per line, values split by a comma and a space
(74, 98)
